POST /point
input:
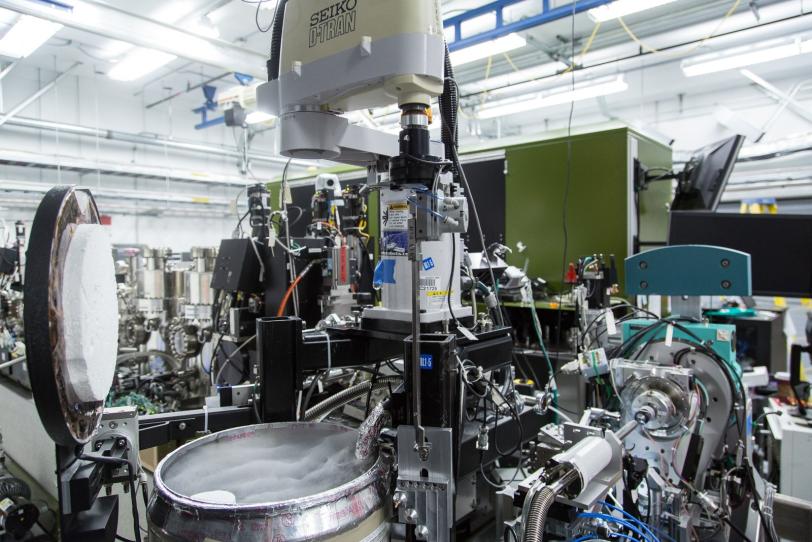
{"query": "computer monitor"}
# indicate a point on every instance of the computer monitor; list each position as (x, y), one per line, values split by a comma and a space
(780, 246)
(702, 182)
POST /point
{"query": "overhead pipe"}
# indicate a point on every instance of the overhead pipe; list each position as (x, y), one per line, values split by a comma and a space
(153, 140)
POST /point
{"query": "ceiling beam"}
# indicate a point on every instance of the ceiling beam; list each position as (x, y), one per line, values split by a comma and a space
(122, 193)
(156, 140)
(88, 166)
(105, 20)
(546, 14)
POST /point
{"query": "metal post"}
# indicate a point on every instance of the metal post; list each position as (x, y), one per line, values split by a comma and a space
(278, 345)
(417, 413)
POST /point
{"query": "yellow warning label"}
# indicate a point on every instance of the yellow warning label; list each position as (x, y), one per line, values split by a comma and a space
(200, 199)
(780, 302)
(806, 303)
(438, 293)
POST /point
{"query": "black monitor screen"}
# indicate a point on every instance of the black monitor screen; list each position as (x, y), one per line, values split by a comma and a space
(706, 176)
(780, 246)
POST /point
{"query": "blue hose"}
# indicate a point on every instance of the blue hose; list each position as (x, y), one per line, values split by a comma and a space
(629, 517)
(612, 519)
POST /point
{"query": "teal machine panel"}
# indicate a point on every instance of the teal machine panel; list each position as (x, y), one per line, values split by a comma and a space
(721, 338)
(689, 271)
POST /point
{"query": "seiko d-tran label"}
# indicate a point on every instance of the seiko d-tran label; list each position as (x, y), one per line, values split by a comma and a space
(332, 22)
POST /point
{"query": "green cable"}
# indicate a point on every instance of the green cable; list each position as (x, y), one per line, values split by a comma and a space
(537, 328)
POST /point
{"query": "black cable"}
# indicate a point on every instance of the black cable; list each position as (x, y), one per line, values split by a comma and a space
(310, 389)
(393, 367)
(256, 16)
(133, 491)
(239, 222)
(568, 183)
(470, 194)
(512, 531)
(736, 529)
(514, 414)
(451, 280)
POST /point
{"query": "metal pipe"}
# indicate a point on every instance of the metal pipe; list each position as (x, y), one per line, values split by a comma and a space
(37, 95)
(153, 140)
(11, 363)
(626, 430)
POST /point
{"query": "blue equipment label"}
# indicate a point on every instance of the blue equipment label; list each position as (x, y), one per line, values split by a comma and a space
(426, 361)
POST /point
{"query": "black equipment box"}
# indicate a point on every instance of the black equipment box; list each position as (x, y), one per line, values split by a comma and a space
(237, 268)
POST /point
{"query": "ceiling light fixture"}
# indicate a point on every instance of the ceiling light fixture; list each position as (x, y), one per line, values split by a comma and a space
(138, 63)
(621, 8)
(745, 56)
(26, 36)
(488, 48)
(556, 96)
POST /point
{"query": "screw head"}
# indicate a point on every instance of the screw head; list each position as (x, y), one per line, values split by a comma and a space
(725, 263)
(643, 285)
(643, 265)
(182, 426)
(726, 284)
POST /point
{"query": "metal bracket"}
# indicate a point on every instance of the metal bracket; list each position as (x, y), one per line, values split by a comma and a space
(425, 489)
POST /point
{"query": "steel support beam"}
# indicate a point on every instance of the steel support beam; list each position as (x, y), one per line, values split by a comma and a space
(93, 167)
(153, 140)
(546, 14)
(108, 21)
(112, 206)
(37, 95)
(8, 68)
(776, 92)
(121, 193)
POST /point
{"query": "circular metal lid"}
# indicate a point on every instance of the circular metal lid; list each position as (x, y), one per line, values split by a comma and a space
(68, 318)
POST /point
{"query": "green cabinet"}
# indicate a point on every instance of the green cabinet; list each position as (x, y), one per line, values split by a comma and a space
(579, 190)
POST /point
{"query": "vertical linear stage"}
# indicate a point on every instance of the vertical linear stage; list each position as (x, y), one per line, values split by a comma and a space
(279, 339)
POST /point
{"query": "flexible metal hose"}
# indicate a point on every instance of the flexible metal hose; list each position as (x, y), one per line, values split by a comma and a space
(322, 410)
(536, 517)
(14, 487)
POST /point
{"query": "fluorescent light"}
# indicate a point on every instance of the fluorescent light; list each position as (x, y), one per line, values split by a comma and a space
(26, 36)
(488, 48)
(741, 57)
(621, 8)
(257, 117)
(556, 96)
(139, 63)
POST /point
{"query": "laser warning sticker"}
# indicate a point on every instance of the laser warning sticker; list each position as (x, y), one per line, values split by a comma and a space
(396, 216)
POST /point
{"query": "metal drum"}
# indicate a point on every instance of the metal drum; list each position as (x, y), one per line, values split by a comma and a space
(285, 482)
